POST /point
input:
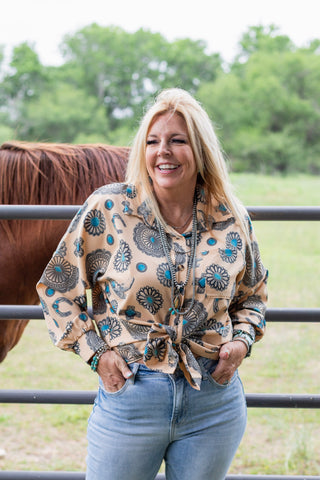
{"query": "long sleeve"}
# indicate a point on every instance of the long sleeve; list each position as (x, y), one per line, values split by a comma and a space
(62, 287)
(248, 307)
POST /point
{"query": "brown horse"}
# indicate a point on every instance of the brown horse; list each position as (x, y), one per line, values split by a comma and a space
(43, 174)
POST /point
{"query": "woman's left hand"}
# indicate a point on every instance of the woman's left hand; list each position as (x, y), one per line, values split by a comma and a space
(231, 356)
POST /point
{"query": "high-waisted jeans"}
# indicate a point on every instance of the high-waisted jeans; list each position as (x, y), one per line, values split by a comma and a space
(157, 416)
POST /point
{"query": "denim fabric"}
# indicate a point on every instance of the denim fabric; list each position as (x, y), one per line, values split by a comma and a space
(157, 416)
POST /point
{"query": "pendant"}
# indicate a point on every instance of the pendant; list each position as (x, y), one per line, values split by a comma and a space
(177, 301)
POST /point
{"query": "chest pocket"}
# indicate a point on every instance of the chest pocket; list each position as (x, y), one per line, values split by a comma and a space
(218, 282)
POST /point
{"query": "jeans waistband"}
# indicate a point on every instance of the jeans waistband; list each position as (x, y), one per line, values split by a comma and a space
(207, 366)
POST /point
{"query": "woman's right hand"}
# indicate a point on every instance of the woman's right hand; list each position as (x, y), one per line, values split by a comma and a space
(113, 371)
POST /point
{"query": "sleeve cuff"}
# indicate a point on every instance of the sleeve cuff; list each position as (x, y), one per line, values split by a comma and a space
(89, 343)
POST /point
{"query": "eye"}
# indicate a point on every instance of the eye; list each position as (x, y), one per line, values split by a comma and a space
(151, 142)
(178, 140)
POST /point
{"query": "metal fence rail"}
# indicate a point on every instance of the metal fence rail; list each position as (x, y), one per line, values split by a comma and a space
(301, 315)
(254, 400)
(81, 397)
(66, 212)
(81, 476)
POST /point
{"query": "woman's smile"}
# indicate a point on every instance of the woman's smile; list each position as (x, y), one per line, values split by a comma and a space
(169, 156)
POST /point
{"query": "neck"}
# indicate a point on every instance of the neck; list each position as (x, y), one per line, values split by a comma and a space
(177, 214)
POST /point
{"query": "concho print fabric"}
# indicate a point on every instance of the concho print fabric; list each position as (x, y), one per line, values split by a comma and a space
(113, 249)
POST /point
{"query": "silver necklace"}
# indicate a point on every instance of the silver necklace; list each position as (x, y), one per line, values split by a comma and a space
(177, 288)
(182, 226)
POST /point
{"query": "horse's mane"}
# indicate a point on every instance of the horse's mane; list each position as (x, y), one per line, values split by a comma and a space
(27, 170)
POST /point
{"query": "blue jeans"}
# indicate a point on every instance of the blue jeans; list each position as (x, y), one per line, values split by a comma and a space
(157, 416)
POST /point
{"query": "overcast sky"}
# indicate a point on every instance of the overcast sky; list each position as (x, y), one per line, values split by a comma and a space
(220, 23)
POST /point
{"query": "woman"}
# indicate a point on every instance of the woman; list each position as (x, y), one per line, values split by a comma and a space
(179, 295)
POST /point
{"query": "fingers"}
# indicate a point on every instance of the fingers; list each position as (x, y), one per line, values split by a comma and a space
(113, 371)
(226, 366)
(230, 358)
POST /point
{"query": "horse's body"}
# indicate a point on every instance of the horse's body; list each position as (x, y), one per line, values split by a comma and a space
(40, 174)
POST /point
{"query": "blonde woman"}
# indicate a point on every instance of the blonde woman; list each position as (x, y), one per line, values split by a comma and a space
(179, 296)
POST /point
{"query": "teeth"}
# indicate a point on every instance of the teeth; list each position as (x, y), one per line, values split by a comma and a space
(167, 167)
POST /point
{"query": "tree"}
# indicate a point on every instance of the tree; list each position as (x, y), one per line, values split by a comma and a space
(61, 114)
(263, 38)
(123, 70)
(268, 108)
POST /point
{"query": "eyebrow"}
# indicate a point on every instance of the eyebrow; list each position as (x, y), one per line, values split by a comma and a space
(172, 135)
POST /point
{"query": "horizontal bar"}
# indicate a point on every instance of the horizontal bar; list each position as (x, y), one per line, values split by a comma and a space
(309, 213)
(66, 212)
(16, 475)
(282, 400)
(79, 397)
(38, 212)
(303, 315)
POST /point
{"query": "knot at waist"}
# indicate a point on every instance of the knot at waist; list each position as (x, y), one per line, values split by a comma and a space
(165, 344)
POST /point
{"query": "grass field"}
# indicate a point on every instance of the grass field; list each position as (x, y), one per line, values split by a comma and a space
(277, 441)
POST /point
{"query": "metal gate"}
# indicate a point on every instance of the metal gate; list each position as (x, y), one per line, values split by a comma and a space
(66, 212)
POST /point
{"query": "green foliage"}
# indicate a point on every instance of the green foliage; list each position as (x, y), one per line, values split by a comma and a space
(265, 105)
(60, 113)
(268, 111)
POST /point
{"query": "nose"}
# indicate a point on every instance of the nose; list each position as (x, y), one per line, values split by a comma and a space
(163, 148)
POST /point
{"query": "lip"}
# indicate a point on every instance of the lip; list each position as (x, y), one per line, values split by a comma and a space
(171, 167)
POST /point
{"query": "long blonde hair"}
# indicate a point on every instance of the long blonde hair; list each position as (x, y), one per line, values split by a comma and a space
(213, 174)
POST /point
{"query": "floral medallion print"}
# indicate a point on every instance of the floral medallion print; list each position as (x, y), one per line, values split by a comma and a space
(123, 257)
(217, 277)
(228, 255)
(113, 248)
(219, 327)
(155, 348)
(98, 302)
(150, 298)
(61, 275)
(164, 274)
(96, 264)
(138, 332)
(194, 319)
(93, 341)
(110, 327)
(94, 222)
(255, 270)
(129, 353)
(147, 240)
(254, 303)
(81, 301)
(233, 240)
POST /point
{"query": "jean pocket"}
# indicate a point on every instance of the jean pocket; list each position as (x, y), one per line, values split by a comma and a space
(222, 385)
(130, 381)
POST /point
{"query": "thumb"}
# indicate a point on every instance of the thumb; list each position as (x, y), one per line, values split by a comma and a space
(224, 353)
(123, 367)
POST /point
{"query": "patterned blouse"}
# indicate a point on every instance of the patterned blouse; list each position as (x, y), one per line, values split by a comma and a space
(113, 249)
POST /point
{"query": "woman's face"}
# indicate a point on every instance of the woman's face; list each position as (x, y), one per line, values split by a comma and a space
(169, 157)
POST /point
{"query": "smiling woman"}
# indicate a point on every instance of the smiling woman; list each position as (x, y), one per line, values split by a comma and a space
(175, 309)
(172, 167)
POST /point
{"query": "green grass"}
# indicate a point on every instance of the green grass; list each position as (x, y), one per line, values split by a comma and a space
(277, 441)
